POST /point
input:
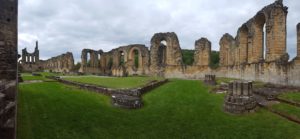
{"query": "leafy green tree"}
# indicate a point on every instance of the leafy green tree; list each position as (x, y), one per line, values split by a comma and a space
(188, 56)
(215, 58)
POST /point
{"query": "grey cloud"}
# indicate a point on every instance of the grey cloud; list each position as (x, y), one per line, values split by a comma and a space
(61, 25)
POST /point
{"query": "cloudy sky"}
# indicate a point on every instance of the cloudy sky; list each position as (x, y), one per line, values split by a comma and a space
(71, 25)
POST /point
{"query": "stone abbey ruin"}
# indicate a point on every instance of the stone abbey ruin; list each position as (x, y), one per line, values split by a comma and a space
(254, 54)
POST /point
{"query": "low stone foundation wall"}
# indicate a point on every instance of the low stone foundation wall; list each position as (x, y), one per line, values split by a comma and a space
(7, 109)
(125, 98)
(124, 101)
(109, 91)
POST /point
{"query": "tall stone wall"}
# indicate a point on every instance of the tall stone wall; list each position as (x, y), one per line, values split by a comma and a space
(125, 60)
(63, 63)
(31, 61)
(165, 58)
(90, 61)
(202, 52)
(298, 40)
(8, 67)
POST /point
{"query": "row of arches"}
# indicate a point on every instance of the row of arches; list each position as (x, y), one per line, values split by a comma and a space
(262, 38)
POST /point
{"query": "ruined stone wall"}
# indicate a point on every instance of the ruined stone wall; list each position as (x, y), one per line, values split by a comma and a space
(202, 52)
(165, 58)
(298, 40)
(8, 67)
(125, 60)
(31, 61)
(258, 52)
(227, 50)
(63, 63)
(90, 61)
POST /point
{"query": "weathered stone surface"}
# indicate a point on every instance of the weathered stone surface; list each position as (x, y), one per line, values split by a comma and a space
(298, 40)
(8, 67)
(202, 52)
(239, 98)
(126, 101)
(63, 63)
(122, 61)
(31, 61)
(210, 80)
(90, 61)
(164, 56)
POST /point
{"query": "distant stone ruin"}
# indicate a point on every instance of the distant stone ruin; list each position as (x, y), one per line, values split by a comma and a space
(239, 98)
(258, 53)
(125, 60)
(91, 64)
(31, 61)
(63, 63)
(8, 67)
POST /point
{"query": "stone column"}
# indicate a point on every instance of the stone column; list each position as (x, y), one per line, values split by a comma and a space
(298, 40)
(239, 98)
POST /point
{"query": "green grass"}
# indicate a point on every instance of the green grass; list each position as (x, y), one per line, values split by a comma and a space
(178, 109)
(114, 82)
(29, 77)
(291, 96)
(288, 109)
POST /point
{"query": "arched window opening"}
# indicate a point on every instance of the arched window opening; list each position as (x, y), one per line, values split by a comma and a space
(136, 58)
(264, 41)
(88, 59)
(121, 57)
(260, 37)
(162, 53)
(110, 63)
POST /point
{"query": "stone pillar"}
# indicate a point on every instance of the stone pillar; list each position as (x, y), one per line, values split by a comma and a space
(276, 32)
(239, 98)
(202, 52)
(210, 80)
(298, 40)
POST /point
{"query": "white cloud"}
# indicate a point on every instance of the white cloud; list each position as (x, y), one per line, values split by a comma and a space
(61, 26)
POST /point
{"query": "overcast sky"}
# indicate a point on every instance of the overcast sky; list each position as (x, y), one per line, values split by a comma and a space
(72, 25)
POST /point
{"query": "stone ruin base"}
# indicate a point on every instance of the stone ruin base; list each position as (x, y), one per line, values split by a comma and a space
(239, 98)
(210, 80)
(125, 101)
(7, 109)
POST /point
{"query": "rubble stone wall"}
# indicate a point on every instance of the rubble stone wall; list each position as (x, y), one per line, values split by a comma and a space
(8, 67)
(63, 63)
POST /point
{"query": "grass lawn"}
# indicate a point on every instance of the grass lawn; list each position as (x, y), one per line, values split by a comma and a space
(29, 77)
(114, 82)
(178, 109)
(291, 96)
(288, 109)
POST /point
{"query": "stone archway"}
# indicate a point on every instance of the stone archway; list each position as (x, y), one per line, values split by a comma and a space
(135, 59)
(164, 55)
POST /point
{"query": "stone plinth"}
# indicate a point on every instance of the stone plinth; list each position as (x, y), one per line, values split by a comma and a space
(210, 80)
(239, 98)
(125, 101)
